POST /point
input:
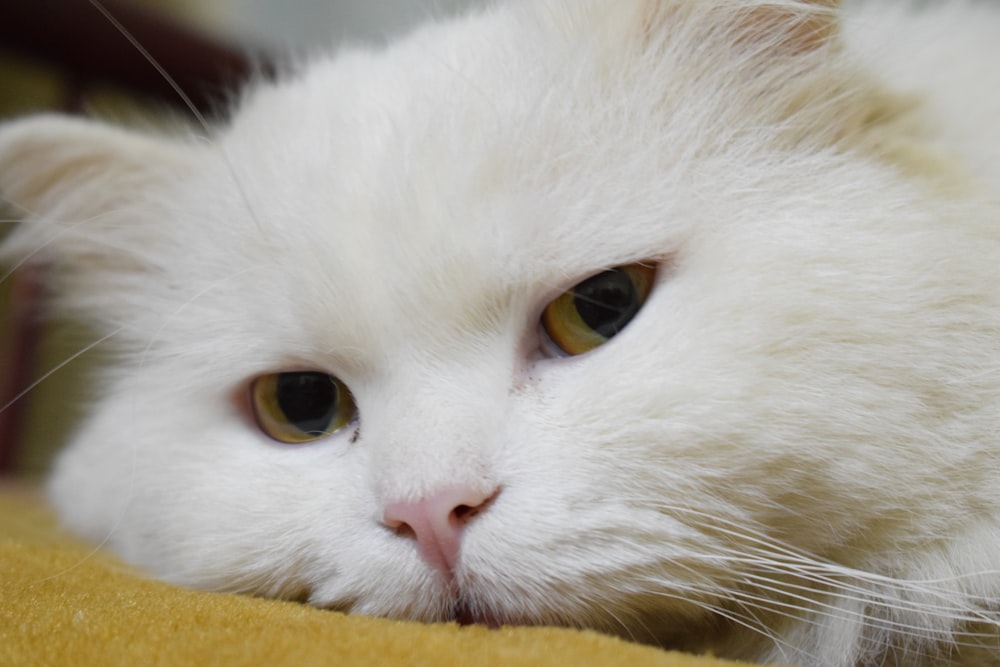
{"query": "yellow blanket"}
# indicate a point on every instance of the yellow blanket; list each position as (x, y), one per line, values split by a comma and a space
(64, 603)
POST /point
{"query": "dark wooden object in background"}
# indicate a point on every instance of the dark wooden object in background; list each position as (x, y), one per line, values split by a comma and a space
(18, 357)
(79, 40)
(87, 49)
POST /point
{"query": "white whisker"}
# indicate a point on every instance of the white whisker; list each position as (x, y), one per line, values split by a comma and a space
(152, 61)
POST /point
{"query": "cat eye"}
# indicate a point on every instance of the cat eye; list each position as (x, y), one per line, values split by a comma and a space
(301, 406)
(594, 311)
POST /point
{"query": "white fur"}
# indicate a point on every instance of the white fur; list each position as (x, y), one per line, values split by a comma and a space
(790, 455)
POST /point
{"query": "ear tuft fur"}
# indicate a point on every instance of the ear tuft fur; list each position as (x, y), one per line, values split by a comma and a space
(795, 27)
(773, 26)
(44, 158)
(58, 170)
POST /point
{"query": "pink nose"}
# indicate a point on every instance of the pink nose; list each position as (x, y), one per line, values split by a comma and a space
(437, 521)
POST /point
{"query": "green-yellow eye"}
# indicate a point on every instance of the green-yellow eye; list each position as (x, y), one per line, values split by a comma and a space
(598, 308)
(301, 406)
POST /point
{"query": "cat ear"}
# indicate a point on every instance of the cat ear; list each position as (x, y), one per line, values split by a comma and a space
(793, 27)
(768, 26)
(62, 172)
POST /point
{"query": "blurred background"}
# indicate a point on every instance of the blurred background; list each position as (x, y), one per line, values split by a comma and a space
(67, 55)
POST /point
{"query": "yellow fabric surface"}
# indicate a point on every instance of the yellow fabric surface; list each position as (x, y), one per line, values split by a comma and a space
(63, 603)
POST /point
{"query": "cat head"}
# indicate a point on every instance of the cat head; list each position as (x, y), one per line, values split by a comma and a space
(406, 222)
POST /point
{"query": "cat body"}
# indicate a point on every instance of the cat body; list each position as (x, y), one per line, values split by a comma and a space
(789, 454)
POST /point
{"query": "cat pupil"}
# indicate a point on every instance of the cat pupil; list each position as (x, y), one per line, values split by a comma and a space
(308, 400)
(606, 302)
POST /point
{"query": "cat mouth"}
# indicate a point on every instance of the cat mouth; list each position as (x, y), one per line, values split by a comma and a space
(465, 613)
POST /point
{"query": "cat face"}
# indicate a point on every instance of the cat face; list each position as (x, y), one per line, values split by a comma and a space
(776, 420)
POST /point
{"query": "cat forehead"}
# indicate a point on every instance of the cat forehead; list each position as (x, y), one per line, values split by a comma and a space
(508, 153)
(455, 148)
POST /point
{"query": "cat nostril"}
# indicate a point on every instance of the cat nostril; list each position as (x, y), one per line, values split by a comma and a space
(401, 528)
(436, 521)
(464, 512)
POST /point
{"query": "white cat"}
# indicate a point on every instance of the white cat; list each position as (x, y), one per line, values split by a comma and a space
(675, 319)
